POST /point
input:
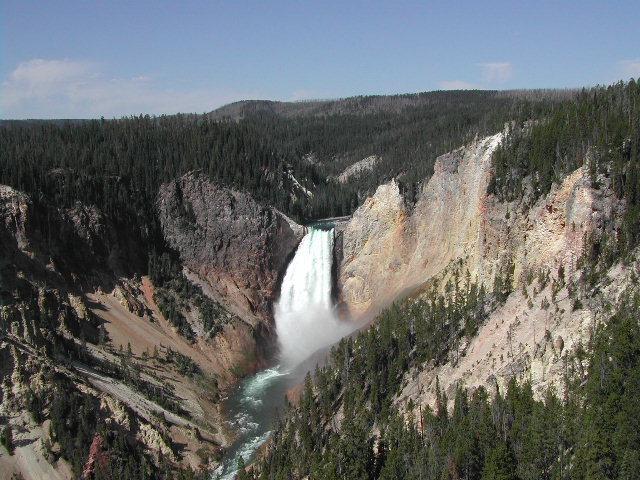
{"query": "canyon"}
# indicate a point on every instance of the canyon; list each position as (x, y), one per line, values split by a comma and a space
(72, 286)
(456, 232)
(72, 291)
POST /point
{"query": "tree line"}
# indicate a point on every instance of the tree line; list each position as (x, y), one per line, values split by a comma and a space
(600, 130)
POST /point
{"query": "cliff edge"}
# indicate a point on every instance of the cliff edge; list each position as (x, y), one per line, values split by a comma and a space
(238, 247)
(457, 232)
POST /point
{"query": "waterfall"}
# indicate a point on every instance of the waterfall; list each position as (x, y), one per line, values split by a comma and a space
(305, 322)
(305, 317)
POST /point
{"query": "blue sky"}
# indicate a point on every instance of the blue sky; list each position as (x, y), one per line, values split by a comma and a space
(79, 59)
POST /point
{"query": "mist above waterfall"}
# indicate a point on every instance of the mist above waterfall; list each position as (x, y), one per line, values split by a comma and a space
(305, 316)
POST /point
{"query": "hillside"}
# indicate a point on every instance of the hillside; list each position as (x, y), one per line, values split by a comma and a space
(515, 349)
(405, 132)
(492, 243)
(370, 105)
(131, 367)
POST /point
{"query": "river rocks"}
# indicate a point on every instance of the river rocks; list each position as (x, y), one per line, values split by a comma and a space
(238, 246)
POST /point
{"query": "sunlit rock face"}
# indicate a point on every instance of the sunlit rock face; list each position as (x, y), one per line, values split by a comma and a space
(389, 247)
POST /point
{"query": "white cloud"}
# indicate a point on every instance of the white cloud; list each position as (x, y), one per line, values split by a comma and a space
(630, 68)
(458, 85)
(76, 89)
(496, 72)
(39, 75)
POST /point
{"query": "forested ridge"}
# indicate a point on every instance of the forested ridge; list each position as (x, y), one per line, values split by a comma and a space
(118, 165)
(600, 129)
(347, 427)
(406, 133)
(347, 424)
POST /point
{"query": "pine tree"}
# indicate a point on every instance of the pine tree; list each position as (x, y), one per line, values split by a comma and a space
(242, 471)
(500, 464)
(7, 439)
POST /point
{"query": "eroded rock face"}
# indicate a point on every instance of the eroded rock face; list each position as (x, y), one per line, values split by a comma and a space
(14, 206)
(66, 246)
(238, 246)
(389, 248)
(358, 168)
(57, 267)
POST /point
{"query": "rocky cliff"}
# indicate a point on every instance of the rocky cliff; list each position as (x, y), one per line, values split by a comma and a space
(73, 332)
(390, 247)
(76, 316)
(238, 247)
(456, 230)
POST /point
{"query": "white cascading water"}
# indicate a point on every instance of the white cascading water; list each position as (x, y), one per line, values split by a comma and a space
(305, 322)
(305, 317)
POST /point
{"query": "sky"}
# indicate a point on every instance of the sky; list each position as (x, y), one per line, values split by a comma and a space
(87, 59)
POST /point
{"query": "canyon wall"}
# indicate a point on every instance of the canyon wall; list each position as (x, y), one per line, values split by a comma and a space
(239, 248)
(74, 307)
(391, 249)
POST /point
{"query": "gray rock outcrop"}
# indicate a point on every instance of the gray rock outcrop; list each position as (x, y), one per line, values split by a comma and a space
(239, 247)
